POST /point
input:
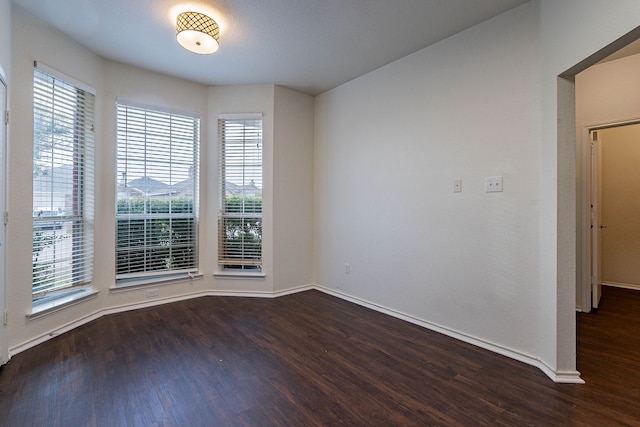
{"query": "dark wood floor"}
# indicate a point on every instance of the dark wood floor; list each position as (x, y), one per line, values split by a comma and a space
(311, 359)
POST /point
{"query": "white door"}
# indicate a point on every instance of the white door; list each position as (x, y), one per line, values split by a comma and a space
(3, 186)
(596, 227)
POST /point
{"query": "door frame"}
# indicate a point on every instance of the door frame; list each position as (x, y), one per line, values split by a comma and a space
(4, 134)
(585, 182)
(595, 195)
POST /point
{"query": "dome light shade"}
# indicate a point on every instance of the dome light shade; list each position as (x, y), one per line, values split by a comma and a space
(197, 32)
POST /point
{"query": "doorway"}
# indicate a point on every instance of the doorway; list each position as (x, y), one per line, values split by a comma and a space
(606, 107)
(572, 260)
(615, 227)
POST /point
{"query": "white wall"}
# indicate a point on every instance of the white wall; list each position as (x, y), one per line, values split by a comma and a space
(388, 147)
(292, 189)
(608, 92)
(488, 101)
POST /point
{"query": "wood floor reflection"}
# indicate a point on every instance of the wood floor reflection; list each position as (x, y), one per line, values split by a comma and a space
(311, 359)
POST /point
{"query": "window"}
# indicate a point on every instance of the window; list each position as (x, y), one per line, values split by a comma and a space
(157, 193)
(62, 184)
(240, 217)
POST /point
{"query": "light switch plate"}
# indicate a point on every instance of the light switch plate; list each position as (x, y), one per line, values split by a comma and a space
(457, 186)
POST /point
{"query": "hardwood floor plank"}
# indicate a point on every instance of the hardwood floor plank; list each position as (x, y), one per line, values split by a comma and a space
(314, 360)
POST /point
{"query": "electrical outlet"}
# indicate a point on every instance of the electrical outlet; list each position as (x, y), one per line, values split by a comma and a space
(152, 293)
(347, 268)
(5, 318)
(493, 184)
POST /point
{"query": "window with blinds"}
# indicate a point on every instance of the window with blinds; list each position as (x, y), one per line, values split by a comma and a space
(157, 192)
(240, 216)
(62, 184)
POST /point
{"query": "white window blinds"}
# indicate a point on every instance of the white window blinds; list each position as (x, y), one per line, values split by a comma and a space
(157, 192)
(62, 184)
(240, 217)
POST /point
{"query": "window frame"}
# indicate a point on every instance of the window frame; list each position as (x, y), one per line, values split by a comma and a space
(148, 274)
(240, 257)
(69, 105)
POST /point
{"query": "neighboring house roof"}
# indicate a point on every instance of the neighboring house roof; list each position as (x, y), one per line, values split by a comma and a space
(247, 190)
(186, 184)
(60, 180)
(149, 185)
(57, 180)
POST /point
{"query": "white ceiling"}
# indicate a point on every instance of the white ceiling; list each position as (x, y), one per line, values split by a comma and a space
(308, 45)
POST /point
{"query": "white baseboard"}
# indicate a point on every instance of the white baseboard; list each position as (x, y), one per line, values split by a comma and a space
(262, 294)
(562, 377)
(558, 377)
(570, 377)
(622, 285)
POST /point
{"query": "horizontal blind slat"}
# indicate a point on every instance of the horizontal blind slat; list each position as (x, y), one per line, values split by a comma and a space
(157, 178)
(240, 217)
(62, 185)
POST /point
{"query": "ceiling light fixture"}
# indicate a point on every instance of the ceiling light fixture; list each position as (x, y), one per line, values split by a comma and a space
(197, 32)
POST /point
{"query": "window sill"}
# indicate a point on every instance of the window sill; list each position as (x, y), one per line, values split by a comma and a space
(52, 305)
(148, 282)
(238, 275)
